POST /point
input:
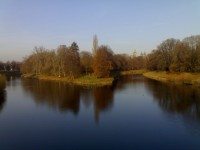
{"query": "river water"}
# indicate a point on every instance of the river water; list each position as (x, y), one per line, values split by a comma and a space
(133, 113)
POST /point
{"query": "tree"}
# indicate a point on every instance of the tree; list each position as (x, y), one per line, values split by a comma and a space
(102, 64)
(38, 59)
(74, 59)
(49, 67)
(193, 44)
(166, 50)
(74, 47)
(180, 58)
(134, 61)
(120, 62)
(27, 65)
(61, 60)
(95, 44)
(86, 61)
(154, 60)
(15, 65)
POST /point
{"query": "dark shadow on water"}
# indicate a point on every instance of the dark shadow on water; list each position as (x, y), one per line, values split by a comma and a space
(67, 98)
(181, 99)
(184, 100)
(2, 98)
(2, 95)
(55, 95)
(103, 100)
(128, 80)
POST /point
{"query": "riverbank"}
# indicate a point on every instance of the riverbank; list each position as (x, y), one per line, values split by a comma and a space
(10, 73)
(133, 72)
(87, 80)
(179, 78)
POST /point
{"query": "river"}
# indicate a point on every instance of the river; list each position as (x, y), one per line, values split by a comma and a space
(133, 113)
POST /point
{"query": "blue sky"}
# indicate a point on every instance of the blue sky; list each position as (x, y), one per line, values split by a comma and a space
(124, 25)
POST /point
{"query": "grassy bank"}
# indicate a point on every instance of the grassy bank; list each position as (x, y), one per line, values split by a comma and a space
(180, 78)
(93, 81)
(133, 72)
(87, 80)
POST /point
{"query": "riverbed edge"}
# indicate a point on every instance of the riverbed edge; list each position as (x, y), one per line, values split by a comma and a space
(86, 80)
(178, 78)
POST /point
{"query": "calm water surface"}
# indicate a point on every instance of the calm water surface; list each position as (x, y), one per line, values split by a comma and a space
(134, 113)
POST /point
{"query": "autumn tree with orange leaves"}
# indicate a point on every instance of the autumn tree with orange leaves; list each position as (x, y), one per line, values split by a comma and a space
(102, 64)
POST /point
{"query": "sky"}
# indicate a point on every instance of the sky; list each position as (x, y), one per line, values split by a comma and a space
(124, 25)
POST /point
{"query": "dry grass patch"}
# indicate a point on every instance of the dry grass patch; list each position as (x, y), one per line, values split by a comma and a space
(133, 72)
(87, 80)
(184, 78)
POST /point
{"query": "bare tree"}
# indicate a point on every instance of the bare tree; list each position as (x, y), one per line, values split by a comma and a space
(166, 49)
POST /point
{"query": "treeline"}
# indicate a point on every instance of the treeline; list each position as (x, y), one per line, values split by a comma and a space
(10, 66)
(62, 62)
(69, 62)
(176, 56)
(171, 55)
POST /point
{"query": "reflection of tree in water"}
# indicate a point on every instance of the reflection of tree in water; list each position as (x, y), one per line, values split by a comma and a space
(2, 94)
(56, 95)
(176, 98)
(2, 98)
(127, 80)
(103, 100)
(86, 96)
(67, 97)
(12, 80)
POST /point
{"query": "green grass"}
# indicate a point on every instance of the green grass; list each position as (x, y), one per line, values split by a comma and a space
(181, 78)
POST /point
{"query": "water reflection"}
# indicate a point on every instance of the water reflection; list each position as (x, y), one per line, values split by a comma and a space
(65, 97)
(182, 99)
(12, 80)
(2, 99)
(171, 98)
(131, 124)
(55, 95)
(103, 100)
(2, 94)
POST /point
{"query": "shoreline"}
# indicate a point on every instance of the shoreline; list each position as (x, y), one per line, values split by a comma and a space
(177, 78)
(90, 80)
(133, 72)
(86, 80)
